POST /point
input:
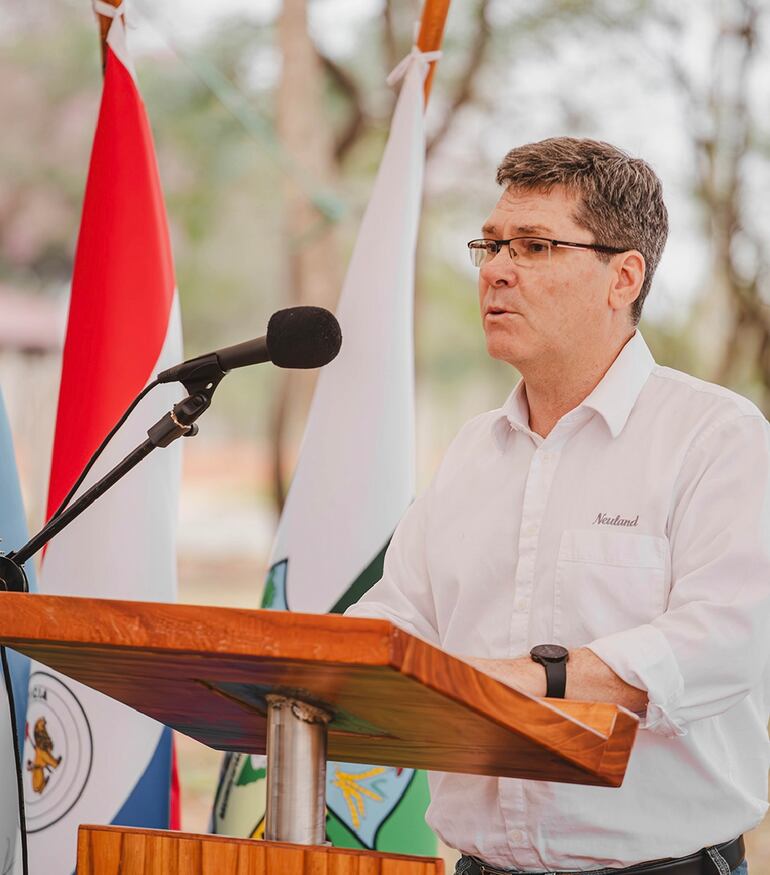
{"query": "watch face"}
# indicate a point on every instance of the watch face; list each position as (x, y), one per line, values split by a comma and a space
(550, 652)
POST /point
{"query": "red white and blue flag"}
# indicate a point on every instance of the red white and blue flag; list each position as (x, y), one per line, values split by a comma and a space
(87, 758)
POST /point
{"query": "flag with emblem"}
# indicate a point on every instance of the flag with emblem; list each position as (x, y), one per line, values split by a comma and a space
(13, 695)
(92, 759)
(354, 480)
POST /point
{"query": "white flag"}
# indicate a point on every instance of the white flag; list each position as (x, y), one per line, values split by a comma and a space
(354, 480)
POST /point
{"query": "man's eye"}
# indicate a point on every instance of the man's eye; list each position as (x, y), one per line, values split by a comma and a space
(534, 247)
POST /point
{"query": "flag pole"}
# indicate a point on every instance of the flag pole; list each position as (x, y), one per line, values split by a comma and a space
(432, 22)
(429, 38)
(104, 25)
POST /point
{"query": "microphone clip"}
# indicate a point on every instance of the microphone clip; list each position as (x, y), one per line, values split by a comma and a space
(201, 373)
(201, 382)
(180, 420)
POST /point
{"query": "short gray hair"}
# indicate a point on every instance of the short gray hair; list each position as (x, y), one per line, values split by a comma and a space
(620, 197)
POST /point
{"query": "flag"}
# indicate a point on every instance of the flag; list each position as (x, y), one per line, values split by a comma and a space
(13, 533)
(88, 758)
(354, 480)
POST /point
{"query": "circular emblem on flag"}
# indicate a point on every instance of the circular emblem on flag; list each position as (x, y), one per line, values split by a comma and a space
(58, 751)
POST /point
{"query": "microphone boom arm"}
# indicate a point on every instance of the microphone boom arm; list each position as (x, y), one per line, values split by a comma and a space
(178, 422)
(299, 337)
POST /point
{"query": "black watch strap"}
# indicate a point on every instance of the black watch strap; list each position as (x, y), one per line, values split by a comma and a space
(556, 679)
(553, 658)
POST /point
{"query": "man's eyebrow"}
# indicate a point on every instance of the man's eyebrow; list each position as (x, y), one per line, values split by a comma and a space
(534, 229)
(490, 230)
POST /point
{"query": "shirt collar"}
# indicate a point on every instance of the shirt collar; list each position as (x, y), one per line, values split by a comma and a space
(617, 392)
(613, 398)
(514, 414)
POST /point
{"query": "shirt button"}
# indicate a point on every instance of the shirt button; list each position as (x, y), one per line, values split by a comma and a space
(518, 836)
(521, 605)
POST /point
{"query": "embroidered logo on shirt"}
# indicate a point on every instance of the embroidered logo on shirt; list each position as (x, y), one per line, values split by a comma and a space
(603, 519)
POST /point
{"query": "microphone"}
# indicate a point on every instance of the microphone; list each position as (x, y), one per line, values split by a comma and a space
(298, 337)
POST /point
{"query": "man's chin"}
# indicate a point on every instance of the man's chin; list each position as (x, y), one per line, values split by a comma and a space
(504, 350)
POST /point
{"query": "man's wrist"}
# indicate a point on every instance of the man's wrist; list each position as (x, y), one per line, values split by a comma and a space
(553, 658)
(521, 673)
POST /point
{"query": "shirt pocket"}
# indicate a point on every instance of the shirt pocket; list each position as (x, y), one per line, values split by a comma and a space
(606, 582)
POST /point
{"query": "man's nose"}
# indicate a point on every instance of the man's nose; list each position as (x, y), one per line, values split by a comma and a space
(499, 271)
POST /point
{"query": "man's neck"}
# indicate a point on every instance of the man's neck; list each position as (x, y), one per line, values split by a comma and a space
(554, 391)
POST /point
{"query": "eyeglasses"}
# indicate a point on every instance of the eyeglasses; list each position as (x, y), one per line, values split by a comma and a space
(528, 251)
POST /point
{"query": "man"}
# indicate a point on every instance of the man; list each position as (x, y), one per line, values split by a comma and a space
(612, 507)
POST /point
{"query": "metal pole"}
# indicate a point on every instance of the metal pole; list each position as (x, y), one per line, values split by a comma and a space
(296, 771)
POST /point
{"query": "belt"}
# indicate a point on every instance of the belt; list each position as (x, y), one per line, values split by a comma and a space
(699, 863)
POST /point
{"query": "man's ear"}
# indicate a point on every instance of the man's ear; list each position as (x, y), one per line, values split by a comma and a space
(628, 278)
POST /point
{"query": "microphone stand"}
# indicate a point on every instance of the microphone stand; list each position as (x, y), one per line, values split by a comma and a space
(178, 422)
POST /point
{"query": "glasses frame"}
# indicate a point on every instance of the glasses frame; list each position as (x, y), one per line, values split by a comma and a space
(596, 247)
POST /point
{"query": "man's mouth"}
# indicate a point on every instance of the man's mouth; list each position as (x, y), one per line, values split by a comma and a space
(497, 311)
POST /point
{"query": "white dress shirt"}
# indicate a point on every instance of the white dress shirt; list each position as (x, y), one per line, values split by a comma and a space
(639, 527)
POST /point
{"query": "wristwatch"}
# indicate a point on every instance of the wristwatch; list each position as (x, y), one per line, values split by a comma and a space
(553, 657)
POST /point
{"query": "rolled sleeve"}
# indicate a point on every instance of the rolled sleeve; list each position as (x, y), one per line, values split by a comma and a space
(643, 658)
(710, 648)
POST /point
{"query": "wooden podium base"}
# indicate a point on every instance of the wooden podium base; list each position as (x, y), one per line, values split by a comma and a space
(115, 850)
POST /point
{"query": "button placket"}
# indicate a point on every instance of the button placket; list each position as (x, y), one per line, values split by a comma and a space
(513, 801)
(539, 480)
(513, 809)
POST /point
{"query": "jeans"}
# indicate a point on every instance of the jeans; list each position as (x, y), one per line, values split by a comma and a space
(743, 869)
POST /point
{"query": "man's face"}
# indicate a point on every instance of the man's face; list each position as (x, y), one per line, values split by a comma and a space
(540, 315)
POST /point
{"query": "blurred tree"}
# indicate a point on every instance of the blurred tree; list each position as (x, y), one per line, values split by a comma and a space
(511, 72)
(311, 249)
(47, 94)
(732, 319)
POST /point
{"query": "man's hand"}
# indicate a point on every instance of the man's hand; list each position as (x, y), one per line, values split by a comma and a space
(588, 679)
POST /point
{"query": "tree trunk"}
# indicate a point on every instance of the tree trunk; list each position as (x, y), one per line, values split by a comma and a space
(732, 323)
(313, 271)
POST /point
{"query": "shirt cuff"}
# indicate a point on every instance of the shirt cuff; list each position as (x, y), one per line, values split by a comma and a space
(643, 658)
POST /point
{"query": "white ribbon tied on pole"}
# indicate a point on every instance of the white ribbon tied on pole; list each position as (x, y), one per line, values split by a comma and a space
(108, 10)
(116, 35)
(424, 59)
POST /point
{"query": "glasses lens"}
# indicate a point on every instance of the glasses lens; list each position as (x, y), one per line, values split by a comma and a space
(481, 251)
(530, 251)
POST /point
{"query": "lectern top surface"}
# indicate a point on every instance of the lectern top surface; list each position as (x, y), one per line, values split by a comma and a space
(395, 699)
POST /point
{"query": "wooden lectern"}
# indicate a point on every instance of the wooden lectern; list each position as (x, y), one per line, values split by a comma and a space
(303, 687)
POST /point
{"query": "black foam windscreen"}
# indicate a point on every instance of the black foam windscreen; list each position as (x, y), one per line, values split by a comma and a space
(303, 337)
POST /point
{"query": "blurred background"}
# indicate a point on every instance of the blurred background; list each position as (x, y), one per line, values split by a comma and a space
(269, 121)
